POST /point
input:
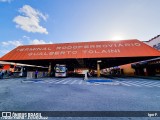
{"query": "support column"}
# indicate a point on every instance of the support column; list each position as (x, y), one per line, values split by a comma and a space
(98, 68)
(49, 69)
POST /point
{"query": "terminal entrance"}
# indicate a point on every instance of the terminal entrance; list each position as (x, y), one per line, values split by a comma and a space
(79, 56)
(77, 67)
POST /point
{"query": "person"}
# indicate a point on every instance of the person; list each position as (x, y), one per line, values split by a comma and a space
(43, 74)
(90, 73)
(36, 74)
(0, 74)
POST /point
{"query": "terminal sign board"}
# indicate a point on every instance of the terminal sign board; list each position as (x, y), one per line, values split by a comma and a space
(100, 49)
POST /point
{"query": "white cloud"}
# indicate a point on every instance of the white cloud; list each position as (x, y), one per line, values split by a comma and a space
(4, 51)
(7, 46)
(5, 1)
(13, 43)
(26, 37)
(30, 19)
(36, 41)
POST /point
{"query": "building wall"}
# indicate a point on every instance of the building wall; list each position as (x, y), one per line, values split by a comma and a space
(154, 42)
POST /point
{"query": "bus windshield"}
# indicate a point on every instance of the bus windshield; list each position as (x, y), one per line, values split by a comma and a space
(60, 69)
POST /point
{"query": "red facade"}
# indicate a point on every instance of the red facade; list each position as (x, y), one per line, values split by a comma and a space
(99, 49)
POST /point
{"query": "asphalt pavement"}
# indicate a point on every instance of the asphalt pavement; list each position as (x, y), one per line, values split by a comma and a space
(75, 94)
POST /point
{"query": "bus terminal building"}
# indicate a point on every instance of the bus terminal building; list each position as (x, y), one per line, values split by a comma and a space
(92, 55)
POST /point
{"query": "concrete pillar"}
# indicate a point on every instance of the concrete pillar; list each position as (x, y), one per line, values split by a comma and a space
(49, 68)
(98, 69)
(145, 72)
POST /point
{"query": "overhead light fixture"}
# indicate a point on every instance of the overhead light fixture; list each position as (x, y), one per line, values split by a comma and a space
(99, 61)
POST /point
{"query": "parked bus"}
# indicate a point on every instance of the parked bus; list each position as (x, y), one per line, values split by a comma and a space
(60, 70)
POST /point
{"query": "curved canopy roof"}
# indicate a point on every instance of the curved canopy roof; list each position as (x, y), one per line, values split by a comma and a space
(99, 49)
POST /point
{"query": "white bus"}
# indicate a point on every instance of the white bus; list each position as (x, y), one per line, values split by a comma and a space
(60, 70)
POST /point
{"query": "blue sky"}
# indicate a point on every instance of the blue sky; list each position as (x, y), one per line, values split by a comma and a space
(24, 22)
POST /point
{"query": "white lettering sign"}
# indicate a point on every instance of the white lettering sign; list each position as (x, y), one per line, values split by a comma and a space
(98, 46)
(56, 53)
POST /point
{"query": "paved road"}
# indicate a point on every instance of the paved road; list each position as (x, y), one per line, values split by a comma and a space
(74, 94)
(120, 81)
(58, 81)
(138, 82)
